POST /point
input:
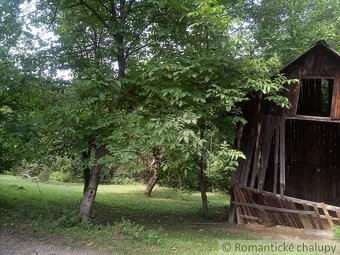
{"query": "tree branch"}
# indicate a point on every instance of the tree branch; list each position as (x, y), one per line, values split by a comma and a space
(113, 11)
(91, 9)
(129, 6)
(103, 5)
(130, 51)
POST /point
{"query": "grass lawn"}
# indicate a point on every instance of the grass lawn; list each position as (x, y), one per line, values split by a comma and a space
(125, 221)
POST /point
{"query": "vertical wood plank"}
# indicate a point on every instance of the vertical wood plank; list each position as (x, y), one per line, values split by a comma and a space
(239, 220)
(293, 96)
(338, 214)
(328, 217)
(265, 150)
(243, 209)
(310, 217)
(253, 157)
(335, 112)
(276, 156)
(256, 156)
(318, 217)
(282, 157)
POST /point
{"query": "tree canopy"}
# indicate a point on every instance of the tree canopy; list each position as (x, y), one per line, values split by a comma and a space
(161, 78)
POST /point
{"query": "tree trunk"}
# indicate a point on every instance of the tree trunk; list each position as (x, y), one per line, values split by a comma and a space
(151, 184)
(202, 181)
(91, 190)
(86, 169)
(153, 165)
(87, 176)
(203, 188)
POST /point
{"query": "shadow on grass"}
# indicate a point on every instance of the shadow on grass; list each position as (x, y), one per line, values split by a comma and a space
(165, 208)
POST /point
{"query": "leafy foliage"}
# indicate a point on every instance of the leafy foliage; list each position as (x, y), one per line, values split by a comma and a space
(135, 231)
(161, 78)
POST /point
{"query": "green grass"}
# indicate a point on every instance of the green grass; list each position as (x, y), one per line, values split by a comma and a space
(169, 222)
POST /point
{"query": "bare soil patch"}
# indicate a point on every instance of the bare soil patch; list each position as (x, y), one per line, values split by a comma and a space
(19, 242)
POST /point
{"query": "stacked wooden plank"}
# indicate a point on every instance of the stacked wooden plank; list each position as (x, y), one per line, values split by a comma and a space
(255, 206)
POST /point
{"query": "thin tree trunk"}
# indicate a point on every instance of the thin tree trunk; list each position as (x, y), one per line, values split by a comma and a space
(153, 166)
(151, 184)
(86, 169)
(202, 181)
(203, 189)
(91, 190)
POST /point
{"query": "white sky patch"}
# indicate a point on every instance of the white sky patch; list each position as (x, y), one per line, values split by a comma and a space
(42, 34)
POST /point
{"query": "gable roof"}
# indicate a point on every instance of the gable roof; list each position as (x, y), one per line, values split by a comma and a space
(320, 44)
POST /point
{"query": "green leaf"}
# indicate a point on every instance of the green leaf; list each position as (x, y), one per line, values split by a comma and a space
(102, 96)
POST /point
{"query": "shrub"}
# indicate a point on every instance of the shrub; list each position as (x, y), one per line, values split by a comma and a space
(32, 169)
(60, 177)
(120, 180)
(135, 231)
(62, 169)
(69, 219)
(336, 229)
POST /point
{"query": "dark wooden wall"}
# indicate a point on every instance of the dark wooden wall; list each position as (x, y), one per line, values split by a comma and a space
(312, 160)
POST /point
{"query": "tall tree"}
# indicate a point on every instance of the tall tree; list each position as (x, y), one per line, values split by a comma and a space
(170, 63)
(289, 27)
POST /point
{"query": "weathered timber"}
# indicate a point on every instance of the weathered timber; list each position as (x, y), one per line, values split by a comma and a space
(318, 217)
(282, 157)
(328, 217)
(309, 216)
(292, 155)
(266, 145)
(276, 158)
(313, 118)
(272, 208)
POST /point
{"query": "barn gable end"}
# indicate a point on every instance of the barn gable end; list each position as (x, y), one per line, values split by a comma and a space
(291, 175)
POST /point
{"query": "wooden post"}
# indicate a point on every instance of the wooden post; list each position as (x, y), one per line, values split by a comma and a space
(328, 217)
(265, 150)
(276, 157)
(318, 217)
(310, 217)
(282, 157)
(338, 214)
(256, 155)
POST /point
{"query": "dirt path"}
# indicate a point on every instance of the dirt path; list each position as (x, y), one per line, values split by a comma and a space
(21, 243)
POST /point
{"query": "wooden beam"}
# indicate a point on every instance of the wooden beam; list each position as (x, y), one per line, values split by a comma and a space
(320, 77)
(256, 155)
(328, 217)
(239, 220)
(338, 214)
(312, 118)
(249, 217)
(265, 149)
(309, 216)
(271, 208)
(316, 210)
(296, 200)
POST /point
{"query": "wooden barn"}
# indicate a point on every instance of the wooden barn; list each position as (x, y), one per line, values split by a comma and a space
(291, 175)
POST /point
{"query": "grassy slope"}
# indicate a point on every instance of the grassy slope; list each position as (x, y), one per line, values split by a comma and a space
(174, 215)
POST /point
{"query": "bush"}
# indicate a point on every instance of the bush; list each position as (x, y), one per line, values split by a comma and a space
(65, 169)
(60, 177)
(120, 180)
(336, 229)
(62, 169)
(69, 220)
(135, 231)
(32, 169)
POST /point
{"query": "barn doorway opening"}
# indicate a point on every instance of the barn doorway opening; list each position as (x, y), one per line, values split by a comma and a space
(315, 97)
